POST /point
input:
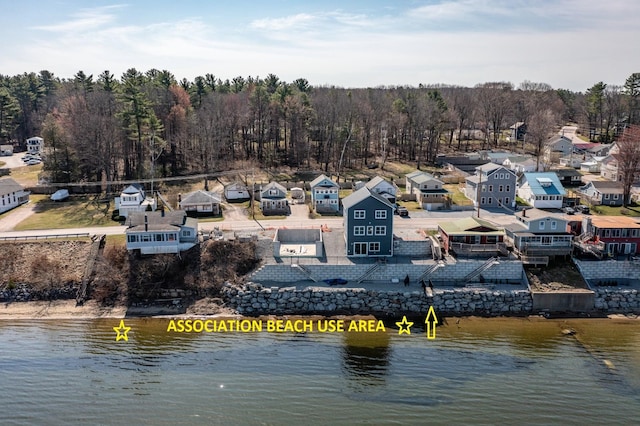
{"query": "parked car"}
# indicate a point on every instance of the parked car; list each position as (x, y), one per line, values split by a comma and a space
(568, 210)
(402, 211)
(33, 162)
(582, 209)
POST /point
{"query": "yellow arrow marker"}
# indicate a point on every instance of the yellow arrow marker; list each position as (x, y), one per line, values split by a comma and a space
(431, 320)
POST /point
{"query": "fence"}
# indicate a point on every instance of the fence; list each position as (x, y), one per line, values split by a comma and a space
(44, 237)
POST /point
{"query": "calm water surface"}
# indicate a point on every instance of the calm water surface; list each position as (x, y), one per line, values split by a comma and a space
(477, 371)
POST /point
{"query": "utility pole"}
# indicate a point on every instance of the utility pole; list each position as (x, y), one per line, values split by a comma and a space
(479, 191)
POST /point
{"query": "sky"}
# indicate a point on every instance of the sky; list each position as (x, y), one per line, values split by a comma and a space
(570, 44)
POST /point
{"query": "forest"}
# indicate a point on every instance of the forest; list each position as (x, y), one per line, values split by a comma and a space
(105, 128)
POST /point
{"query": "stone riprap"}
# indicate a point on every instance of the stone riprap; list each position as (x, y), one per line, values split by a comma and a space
(254, 299)
(617, 300)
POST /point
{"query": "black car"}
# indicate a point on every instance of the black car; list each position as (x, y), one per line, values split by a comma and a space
(582, 209)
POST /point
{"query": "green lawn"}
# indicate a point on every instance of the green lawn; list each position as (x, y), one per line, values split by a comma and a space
(457, 196)
(632, 210)
(79, 212)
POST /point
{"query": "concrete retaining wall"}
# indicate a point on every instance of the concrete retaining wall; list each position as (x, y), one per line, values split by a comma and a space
(506, 271)
(419, 248)
(254, 299)
(607, 269)
(563, 301)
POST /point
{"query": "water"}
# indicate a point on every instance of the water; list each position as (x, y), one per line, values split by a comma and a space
(477, 371)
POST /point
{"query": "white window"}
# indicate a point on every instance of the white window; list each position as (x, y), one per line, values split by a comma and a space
(484, 188)
(508, 188)
(380, 230)
(541, 226)
(506, 201)
(381, 214)
(482, 200)
(359, 214)
(369, 230)
(500, 188)
(490, 200)
(374, 247)
(490, 188)
(554, 224)
(358, 231)
(615, 196)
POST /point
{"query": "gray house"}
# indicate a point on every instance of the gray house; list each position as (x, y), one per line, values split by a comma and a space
(493, 185)
(605, 193)
(429, 191)
(325, 194)
(383, 187)
(368, 224)
(273, 199)
(161, 232)
(539, 233)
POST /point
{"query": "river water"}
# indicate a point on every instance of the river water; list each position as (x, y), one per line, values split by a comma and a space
(476, 371)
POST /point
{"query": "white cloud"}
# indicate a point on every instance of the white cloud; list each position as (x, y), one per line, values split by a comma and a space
(85, 20)
(293, 22)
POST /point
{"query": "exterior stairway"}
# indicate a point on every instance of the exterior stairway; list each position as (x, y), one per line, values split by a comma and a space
(488, 264)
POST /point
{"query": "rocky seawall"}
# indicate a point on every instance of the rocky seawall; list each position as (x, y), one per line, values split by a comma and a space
(617, 300)
(254, 299)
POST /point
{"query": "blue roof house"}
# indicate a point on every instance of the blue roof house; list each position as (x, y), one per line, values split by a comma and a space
(368, 224)
(541, 190)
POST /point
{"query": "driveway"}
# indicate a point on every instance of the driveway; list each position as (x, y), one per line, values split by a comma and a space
(14, 161)
(15, 216)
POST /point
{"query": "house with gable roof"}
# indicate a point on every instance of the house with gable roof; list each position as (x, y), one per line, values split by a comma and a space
(557, 147)
(429, 190)
(273, 199)
(383, 187)
(12, 194)
(493, 185)
(133, 199)
(325, 196)
(200, 202)
(542, 190)
(605, 193)
(368, 224)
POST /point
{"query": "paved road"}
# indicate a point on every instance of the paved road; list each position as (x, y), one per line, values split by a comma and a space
(418, 220)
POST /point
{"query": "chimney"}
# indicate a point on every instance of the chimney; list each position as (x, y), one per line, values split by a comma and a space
(524, 213)
(146, 223)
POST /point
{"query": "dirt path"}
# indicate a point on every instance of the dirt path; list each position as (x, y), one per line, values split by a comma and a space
(10, 220)
(234, 212)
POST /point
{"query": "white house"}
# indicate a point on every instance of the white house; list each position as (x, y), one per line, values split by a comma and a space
(133, 199)
(236, 191)
(380, 186)
(161, 232)
(12, 194)
(35, 145)
(200, 202)
(541, 190)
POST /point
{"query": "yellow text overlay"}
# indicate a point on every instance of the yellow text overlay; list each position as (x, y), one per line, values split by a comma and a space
(274, 326)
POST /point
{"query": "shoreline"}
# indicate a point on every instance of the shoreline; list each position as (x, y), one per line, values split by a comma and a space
(67, 310)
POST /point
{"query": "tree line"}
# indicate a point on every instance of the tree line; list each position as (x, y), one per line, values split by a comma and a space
(143, 123)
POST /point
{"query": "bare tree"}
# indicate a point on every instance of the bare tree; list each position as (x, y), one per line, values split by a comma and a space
(628, 158)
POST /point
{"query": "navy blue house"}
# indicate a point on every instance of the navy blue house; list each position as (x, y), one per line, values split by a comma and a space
(368, 224)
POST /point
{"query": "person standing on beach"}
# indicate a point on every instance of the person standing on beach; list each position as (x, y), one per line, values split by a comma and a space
(406, 280)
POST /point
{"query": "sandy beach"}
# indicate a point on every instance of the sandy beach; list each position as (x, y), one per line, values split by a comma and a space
(67, 309)
(58, 309)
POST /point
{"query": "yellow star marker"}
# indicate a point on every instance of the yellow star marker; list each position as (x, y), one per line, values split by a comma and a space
(122, 331)
(405, 326)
